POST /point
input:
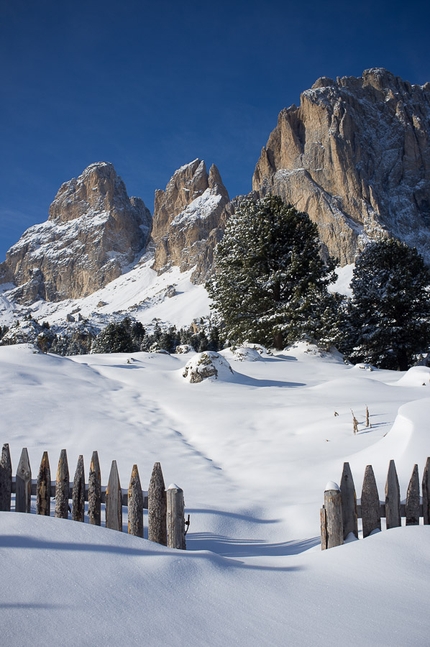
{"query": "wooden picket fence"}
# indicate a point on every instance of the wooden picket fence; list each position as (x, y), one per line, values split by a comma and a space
(166, 522)
(340, 512)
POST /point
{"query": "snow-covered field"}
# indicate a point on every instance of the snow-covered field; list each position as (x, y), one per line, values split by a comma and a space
(253, 452)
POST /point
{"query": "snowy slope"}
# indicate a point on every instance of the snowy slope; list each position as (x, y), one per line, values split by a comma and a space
(253, 455)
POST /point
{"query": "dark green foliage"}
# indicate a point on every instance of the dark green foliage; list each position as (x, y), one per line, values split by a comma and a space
(3, 331)
(389, 314)
(270, 285)
(115, 338)
(78, 342)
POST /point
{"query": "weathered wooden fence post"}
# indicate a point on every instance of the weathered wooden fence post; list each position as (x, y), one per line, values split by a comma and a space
(392, 498)
(370, 509)
(43, 489)
(78, 493)
(426, 493)
(62, 487)
(94, 491)
(331, 517)
(135, 504)
(5, 478)
(23, 483)
(175, 517)
(349, 502)
(157, 524)
(114, 500)
(412, 507)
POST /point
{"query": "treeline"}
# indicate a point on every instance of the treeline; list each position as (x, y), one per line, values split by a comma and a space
(124, 336)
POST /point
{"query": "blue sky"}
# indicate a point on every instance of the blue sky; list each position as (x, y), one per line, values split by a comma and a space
(150, 86)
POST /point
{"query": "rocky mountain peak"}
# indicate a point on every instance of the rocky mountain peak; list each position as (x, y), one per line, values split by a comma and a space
(355, 155)
(188, 219)
(93, 231)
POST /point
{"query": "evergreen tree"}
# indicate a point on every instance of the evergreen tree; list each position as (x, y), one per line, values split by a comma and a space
(270, 284)
(389, 314)
(115, 338)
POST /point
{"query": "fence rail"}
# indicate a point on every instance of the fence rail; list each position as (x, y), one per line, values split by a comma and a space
(166, 523)
(340, 513)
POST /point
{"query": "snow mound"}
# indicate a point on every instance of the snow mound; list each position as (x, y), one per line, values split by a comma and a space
(207, 365)
(248, 354)
(416, 376)
(305, 350)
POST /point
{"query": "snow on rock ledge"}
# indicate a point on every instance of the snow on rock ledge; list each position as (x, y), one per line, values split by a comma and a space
(207, 365)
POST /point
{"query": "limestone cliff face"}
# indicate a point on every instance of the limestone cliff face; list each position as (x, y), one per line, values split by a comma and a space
(189, 218)
(356, 157)
(94, 229)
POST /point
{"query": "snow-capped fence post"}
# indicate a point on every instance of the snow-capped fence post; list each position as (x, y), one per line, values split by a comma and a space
(43, 489)
(349, 502)
(78, 493)
(135, 504)
(114, 500)
(175, 517)
(331, 517)
(23, 483)
(5, 478)
(94, 491)
(412, 507)
(370, 507)
(157, 524)
(62, 487)
(392, 498)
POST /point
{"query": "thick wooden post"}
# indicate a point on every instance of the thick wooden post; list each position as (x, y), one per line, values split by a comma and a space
(175, 517)
(333, 515)
(78, 493)
(62, 487)
(392, 498)
(323, 526)
(349, 502)
(412, 507)
(370, 509)
(23, 483)
(114, 500)
(43, 489)
(5, 478)
(426, 493)
(135, 504)
(157, 524)
(94, 491)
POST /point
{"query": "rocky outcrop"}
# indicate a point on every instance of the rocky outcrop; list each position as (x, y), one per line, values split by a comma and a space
(355, 156)
(189, 218)
(93, 231)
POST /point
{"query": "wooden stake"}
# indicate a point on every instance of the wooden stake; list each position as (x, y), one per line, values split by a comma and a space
(5, 478)
(157, 524)
(43, 489)
(426, 493)
(94, 491)
(349, 502)
(135, 504)
(370, 509)
(175, 517)
(333, 511)
(114, 500)
(23, 483)
(392, 498)
(412, 507)
(78, 493)
(62, 487)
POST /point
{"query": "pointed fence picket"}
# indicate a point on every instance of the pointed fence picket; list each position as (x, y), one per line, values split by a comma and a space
(340, 512)
(160, 507)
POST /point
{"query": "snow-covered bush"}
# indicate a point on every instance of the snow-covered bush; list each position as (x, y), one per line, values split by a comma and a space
(207, 365)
